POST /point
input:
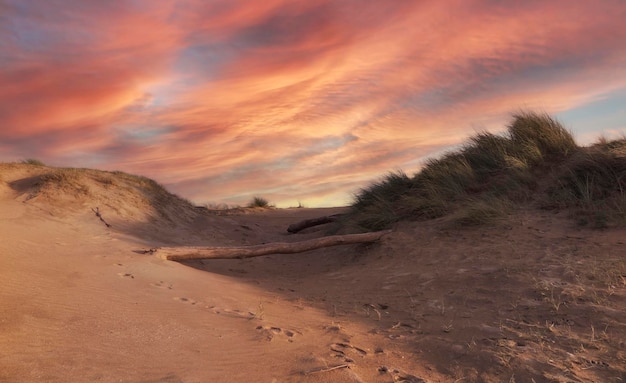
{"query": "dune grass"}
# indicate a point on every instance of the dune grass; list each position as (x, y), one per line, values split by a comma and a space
(33, 161)
(258, 202)
(593, 183)
(535, 163)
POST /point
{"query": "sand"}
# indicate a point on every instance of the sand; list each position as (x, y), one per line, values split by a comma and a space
(533, 298)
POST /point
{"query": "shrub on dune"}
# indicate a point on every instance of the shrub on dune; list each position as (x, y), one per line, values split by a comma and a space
(258, 202)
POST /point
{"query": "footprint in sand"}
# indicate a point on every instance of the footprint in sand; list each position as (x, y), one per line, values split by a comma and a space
(185, 300)
(162, 285)
(344, 349)
(400, 376)
(126, 275)
(233, 313)
(270, 333)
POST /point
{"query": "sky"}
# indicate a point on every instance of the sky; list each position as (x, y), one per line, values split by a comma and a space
(301, 102)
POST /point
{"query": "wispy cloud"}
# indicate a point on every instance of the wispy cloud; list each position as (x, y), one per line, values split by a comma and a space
(295, 100)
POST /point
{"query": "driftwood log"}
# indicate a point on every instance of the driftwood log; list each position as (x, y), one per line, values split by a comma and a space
(299, 226)
(181, 253)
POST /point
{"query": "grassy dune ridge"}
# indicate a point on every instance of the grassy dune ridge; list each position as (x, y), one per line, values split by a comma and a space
(536, 163)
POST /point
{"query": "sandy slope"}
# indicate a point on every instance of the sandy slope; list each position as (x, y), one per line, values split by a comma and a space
(79, 303)
(531, 299)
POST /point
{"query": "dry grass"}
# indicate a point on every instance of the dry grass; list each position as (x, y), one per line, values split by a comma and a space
(78, 185)
(535, 163)
(65, 179)
(593, 185)
(33, 161)
(258, 202)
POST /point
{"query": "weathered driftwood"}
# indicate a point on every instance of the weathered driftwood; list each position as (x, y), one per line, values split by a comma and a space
(181, 253)
(299, 226)
(97, 212)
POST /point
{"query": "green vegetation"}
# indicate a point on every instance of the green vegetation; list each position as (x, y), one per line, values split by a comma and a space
(258, 202)
(536, 163)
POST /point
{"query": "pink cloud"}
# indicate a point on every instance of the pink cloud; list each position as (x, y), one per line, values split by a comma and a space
(224, 99)
(59, 81)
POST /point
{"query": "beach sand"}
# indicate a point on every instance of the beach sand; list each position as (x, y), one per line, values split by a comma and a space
(532, 298)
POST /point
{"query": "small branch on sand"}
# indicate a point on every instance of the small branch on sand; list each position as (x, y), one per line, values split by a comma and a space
(149, 251)
(325, 369)
(97, 211)
(299, 226)
(181, 253)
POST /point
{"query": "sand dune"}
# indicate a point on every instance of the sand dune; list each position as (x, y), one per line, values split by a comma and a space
(530, 298)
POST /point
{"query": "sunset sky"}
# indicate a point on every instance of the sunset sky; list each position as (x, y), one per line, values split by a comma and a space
(295, 101)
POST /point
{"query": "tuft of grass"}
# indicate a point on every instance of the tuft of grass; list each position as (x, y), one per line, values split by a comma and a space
(539, 136)
(67, 179)
(378, 206)
(391, 188)
(258, 202)
(481, 211)
(449, 177)
(33, 161)
(487, 154)
(593, 184)
(536, 161)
